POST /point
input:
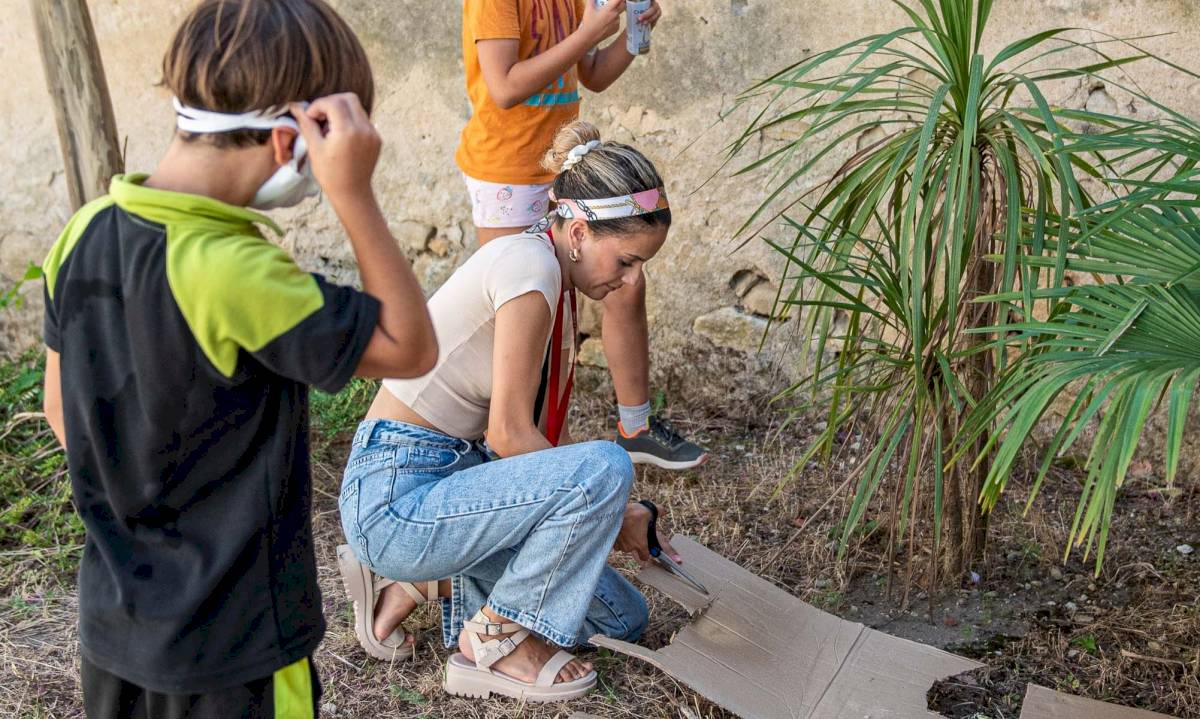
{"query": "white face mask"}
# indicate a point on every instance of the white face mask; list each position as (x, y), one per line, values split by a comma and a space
(291, 183)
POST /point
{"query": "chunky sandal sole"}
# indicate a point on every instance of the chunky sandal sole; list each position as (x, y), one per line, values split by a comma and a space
(464, 679)
(358, 584)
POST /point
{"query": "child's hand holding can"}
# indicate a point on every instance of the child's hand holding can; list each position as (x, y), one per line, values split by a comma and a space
(604, 14)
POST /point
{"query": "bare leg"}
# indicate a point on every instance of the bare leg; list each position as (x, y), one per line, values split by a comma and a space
(395, 605)
(626, 339)
(627, 347)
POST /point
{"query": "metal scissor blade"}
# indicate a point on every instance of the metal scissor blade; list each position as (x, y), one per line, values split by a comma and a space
(677, 570)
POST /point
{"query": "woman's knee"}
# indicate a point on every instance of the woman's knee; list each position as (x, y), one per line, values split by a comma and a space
(612, 470)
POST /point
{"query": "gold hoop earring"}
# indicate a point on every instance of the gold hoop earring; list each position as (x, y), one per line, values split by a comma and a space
(574, 255)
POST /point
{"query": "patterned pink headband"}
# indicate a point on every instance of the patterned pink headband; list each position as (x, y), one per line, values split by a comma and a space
(611, 208)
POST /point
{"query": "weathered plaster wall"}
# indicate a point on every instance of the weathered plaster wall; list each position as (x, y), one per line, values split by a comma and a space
(703, 289)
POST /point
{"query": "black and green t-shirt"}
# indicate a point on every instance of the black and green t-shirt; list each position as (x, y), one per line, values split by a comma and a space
(187, 343)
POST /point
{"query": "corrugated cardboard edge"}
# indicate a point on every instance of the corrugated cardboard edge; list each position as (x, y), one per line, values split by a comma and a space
(829, 694)
(1043, 703)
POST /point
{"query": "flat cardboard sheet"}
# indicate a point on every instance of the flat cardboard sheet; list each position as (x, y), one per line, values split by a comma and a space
(762, 653)
(1042, 703)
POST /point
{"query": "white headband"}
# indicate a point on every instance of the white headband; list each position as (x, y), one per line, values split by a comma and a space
(576, 154)
(192, 119)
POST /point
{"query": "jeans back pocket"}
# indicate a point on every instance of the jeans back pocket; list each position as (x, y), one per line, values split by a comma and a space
(421, 465)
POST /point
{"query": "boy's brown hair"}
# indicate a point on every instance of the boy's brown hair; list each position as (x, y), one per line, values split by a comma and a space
(242, 55)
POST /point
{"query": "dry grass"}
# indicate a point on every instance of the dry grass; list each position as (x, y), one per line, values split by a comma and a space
(1142, 648)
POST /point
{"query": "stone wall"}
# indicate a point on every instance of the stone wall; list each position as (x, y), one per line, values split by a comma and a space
(706, 292)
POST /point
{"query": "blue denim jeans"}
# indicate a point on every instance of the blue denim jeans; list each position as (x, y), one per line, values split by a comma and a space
(528, 535)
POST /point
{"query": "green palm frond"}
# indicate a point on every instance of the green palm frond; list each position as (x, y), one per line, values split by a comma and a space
(1153, 243)
(1119, 350)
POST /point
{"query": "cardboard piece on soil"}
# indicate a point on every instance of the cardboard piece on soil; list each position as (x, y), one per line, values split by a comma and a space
(1042, 703)
(762, 653)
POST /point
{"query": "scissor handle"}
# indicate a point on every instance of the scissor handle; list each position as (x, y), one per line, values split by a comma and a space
(652, 531)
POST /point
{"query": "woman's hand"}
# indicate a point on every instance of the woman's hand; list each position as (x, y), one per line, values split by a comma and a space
(634, 535)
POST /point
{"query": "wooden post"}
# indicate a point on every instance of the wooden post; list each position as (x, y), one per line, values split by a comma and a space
(87, 132)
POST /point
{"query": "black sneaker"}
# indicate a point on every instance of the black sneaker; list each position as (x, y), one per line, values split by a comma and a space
(662, 446)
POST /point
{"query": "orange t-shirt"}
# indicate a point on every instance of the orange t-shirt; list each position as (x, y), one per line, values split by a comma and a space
(507, 146)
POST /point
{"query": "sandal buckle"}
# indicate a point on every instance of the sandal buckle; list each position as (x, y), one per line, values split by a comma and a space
(493, 629)
(507, 646)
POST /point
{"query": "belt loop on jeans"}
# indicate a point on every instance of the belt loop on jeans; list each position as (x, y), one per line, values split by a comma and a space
(365, 430)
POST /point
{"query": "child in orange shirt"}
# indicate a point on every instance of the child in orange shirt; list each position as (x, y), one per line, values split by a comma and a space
(524, 61)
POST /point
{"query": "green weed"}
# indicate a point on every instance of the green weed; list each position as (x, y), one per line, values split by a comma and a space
(336, 415)
(408, 695)
(1086, 642)
(35, 493)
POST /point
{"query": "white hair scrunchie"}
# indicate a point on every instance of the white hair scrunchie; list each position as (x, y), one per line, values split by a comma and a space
(576, 154)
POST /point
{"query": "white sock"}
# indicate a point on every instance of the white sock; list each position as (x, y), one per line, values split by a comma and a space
(634, 419)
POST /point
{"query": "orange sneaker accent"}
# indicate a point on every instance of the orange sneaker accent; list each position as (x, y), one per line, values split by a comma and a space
(626, 435)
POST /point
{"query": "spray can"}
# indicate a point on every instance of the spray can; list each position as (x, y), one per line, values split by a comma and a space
(637, 36)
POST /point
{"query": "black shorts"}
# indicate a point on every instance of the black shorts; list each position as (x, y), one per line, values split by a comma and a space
(290, 693)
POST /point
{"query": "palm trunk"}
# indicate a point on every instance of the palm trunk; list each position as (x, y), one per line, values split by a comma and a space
(965, 525)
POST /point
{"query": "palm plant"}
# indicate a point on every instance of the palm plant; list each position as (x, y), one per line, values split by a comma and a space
(1120, 347)
(888, 257)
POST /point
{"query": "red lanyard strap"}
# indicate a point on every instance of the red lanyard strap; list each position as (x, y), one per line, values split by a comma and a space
(557, 406)
(552, 367)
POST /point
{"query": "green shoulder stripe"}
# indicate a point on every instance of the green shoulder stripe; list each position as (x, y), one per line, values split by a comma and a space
(236, 291)
(70, 237)
(293, 691)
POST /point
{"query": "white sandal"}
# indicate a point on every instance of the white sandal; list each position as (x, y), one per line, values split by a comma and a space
(477, 679)
(364, 587)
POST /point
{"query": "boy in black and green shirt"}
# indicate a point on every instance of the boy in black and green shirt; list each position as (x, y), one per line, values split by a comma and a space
(181, 344)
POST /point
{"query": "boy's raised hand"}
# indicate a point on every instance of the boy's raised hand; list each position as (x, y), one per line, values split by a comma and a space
(603, 22)
(343, 145)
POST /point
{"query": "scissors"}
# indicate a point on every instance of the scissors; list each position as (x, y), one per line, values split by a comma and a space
(656, 549)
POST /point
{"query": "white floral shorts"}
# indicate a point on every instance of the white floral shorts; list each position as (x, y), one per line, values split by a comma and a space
(500, 205)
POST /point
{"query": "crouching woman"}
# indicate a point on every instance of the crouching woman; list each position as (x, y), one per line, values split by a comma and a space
(523, 539)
